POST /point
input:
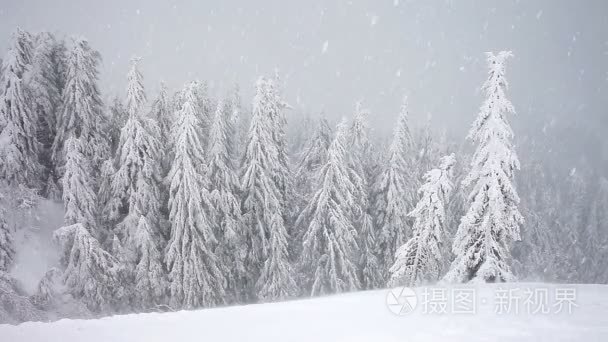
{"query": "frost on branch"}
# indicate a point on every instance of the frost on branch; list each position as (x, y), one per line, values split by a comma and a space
(492, 221)
(421, 257)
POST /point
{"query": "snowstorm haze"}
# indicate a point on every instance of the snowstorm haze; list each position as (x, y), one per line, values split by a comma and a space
(303, 150)
(331, 54)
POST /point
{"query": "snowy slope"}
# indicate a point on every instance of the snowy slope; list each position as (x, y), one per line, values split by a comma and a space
(351, 317)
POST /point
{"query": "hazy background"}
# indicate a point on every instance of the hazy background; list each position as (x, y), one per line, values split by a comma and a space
(332, 53)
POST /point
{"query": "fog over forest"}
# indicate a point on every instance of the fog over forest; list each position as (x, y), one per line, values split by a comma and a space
(158, 156)
(374, 51)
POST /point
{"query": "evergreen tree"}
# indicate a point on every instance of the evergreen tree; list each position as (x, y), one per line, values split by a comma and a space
(224, 197)
(482, 242)
(312, 158)
(274, 105)
(136, 185)
(79, 199)
(194, 274)
(7, 245)
(329, 248)
(267, 257)
(45, 82)
(393, 194)
(422, 257)
(161, 112)
(90, 274)
(310, 161)
(81, 114)
(362, 175)
(117, 119)
(18, 121)
(235, 125)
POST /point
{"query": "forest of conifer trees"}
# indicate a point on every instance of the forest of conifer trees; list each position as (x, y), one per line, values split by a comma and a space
(182, 199)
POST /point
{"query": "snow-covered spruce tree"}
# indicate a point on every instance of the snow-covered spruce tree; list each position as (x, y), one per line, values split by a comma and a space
(194, 274)
(571, 221)
(81, 114)
(492, 221)
(224, 192)
(18, 143)
(312, 158)
(362, 168)
(274, 106)
(7, 247)
(421, 257)
(45, 81)
(136, 185)
(234, 112)
(117, 117)
(90, 273)
(162, 113)
(79, 199)
(329, 247)
(394, 194)
(267, 260)
(598, 223)
(15, 305)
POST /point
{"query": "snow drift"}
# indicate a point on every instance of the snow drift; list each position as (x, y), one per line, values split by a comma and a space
(362, 316)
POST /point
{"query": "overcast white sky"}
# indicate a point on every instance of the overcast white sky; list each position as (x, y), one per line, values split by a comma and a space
(332, 53)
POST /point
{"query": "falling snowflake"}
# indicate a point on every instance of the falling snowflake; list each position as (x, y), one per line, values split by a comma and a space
(325, 45)
(374, 20)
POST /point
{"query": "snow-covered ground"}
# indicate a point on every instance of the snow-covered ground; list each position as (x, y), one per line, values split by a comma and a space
(363, 316)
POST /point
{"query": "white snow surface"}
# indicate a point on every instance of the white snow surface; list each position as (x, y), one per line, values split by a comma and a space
(361, 316)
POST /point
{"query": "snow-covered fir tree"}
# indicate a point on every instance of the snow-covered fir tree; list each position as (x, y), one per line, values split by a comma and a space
(45, 82)
(267, 257)
(274, 106)
(492, 221)
(90, 273)
(117, 117)
(422, 257)
(163, 114)
(81, 114)
(393, 193)
(136, 185)
(79, 198)
(311, 159)
(329, 248)
(19, 145)
(7, 247)
(224, 195)
(196, 279)
(239, 125)
(362, 168)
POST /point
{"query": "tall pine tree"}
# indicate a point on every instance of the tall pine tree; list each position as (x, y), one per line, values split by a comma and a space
(81, 114)
(18, 121)
(492, 221)
(422, 257)
(90, 273)
(393, 193)
(262, 180)
(195, 277)
(136, 185)
(329, 247)
(224, 194)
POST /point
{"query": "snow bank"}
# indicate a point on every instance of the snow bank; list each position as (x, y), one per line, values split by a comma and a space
(362, 316)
